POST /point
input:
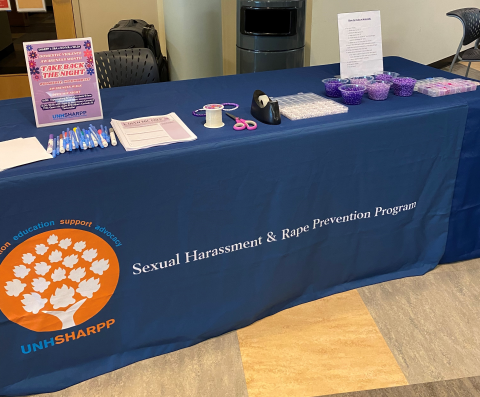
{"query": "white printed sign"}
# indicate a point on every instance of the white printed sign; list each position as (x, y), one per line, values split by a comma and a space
(360, 36)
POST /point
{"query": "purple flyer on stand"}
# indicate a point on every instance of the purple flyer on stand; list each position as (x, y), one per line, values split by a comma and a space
(63, 81)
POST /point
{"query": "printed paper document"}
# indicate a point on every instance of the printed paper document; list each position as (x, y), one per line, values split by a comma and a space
(360, 36)
(152, 131)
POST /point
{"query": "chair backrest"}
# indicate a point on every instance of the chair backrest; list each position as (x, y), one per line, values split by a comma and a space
(470, 18)
(132, 66)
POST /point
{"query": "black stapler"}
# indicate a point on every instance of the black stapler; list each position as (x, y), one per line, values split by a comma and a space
(264, 109)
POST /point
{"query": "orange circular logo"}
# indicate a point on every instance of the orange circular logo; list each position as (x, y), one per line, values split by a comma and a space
(58, 279)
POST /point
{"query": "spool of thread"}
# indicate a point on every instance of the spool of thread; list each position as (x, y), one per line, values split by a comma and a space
(213, 114)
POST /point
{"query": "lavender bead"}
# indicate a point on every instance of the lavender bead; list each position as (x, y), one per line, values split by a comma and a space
(403, 86)
(352, 93)
(332, 85)
(361, 80)
(378, 90)
(386, 76)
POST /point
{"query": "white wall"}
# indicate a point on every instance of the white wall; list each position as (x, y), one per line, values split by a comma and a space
(415, 29)
(194, 38)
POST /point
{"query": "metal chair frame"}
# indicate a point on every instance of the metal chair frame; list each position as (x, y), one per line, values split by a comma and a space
(457, 55)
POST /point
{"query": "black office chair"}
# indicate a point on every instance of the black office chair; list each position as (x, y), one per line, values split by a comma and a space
(132, 66)
(470, 18)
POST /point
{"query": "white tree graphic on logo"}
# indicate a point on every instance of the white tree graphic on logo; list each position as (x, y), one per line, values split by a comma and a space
(61, 284)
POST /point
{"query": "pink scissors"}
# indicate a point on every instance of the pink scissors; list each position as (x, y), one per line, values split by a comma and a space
(241, 124)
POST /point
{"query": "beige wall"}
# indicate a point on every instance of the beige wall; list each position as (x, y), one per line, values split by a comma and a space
(194, 38)
(94, 18)
(415, 29)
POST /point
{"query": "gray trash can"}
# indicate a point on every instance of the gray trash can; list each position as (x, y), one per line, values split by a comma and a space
(270, 35)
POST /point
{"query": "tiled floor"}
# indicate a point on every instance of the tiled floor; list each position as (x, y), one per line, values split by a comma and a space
(417, 336)
(434, 329)
(331, 345)
(468, 387)
(212, 368)
(460, 68)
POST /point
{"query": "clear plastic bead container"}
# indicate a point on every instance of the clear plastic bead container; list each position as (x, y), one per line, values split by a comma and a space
(428, 81)
(403, 86)
(352, 93)
(386, 76)
(378, 90)
(331, 86)
(305, 106)
(440, 86)
(361, 80)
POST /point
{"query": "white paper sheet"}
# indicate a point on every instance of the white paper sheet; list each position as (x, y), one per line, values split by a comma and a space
(152, 131)
(21, 151)
(360, 37)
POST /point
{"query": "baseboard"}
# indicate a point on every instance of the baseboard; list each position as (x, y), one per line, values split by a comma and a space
(443, 62)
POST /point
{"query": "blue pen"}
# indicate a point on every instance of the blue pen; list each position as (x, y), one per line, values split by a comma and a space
(75, 137)
(72, 138)
(90, 139)
(102, 132)
(83, 144)
(94, 137)
(84, 140)
(103, 142)
(58, 146)
(69, 141)
(67, 134)
(93, 129)
(71, 144)
(91, 145)
(87, 139)
(107, 137)
(54, 150)
(97, 137)
(101, 129)
(66, 142)
(77, 141)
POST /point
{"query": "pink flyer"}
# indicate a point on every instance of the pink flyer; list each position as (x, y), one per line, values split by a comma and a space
(63, 81)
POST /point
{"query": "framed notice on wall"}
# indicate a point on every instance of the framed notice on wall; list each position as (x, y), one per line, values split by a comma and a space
(360, 37)
(63, 81)
(31, 5)
(5, 5)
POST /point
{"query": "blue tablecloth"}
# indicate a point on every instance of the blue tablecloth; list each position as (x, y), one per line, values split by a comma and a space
(214, 234)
